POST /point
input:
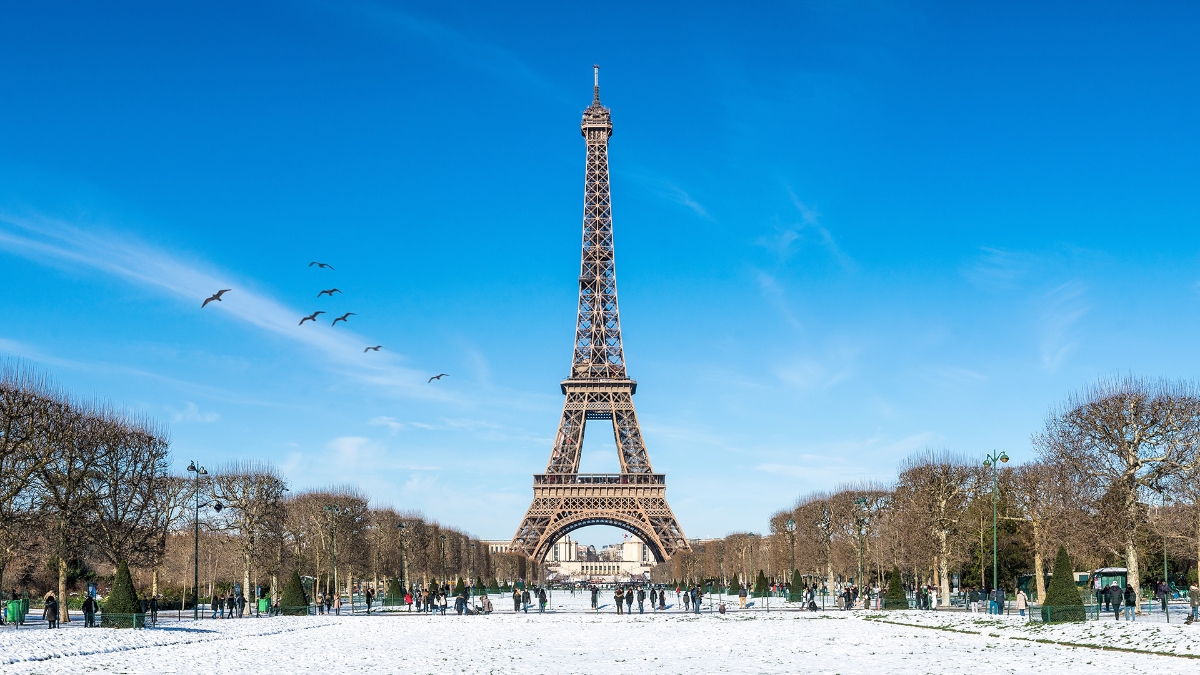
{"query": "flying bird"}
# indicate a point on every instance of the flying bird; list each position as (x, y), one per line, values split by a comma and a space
(311, 317)
(322, 265)
(438, 377)
(215, 296)
(375, 349)
(342, 318)
(329, 292)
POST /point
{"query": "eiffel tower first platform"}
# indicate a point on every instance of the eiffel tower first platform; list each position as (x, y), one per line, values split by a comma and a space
(598, 389)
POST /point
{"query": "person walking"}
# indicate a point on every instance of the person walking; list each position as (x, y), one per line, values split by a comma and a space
(595, 597)
(542, 600)
(516, 598)
(442, 602)
(1130, 603)
(241, 605)
(641, 598)
(526, 599)
(337, 603)
(662, 600)
(697, 599)
(619, 598)
(89, 612)
(369, 596)
(50, 613)
(687, 602)
(1114, 599)
(1194, 601)
(973, 599)
(629, 600)
(1022, 602)
(742, 597)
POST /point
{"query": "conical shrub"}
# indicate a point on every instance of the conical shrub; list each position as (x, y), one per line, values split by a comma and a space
(1062, 601)
(293, 602)
(121, 606)
(895, 598)
(494, 587)
(760, 585)
(796, 592)
(460, 587)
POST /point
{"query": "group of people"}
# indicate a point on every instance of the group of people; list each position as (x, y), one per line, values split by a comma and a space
(523, 597)
(227, 606)
(329, 603)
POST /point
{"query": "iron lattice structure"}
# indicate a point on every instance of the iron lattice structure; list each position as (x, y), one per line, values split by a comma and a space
(598, 389)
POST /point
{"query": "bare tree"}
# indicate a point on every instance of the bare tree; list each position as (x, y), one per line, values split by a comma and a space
(26, 403)
(1129, 436)
(252, 493)
(934, 487)
(127, 523)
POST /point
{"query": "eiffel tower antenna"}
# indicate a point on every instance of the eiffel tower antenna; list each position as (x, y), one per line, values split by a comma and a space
(598, 388)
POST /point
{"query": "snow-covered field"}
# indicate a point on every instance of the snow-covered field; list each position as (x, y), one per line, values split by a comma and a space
(572, 639)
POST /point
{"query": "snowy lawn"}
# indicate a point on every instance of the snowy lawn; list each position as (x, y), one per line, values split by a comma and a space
(1136, 636)
(575, 640)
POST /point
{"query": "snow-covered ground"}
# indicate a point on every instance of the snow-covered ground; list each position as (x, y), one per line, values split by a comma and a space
(572, 639)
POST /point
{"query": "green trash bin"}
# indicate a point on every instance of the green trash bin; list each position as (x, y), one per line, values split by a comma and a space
(264, 606)
(16, 613)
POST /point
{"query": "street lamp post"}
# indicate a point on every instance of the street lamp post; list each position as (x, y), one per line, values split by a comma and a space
(333, 511)
(992, 461)
(859, 521)
(403, 576)
(442, 545)
(199, 471)
(791, 530)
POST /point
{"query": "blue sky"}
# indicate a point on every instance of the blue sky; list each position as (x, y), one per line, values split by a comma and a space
(845, 231)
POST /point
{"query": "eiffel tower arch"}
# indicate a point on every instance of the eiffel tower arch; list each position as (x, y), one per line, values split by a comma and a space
(598, 388)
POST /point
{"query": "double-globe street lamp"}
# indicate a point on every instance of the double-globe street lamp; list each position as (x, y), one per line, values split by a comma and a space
(217, 506)
(993, 462)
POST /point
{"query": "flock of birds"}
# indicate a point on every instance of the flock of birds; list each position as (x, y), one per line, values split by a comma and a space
(216, 297)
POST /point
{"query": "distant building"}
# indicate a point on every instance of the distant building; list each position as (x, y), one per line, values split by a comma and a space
(629, 560)
(497, 545)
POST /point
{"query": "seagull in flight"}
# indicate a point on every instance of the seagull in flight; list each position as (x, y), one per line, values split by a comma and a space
(215, 296)
(375, 349)
(438, 377)
(329, 292)
(311, 317)
(342, 318)
(321, 265)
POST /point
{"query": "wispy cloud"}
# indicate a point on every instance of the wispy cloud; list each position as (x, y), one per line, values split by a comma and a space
(64, 244)
(1000, 268)
(192, 413)
(787, 239)
(1062, 308)
(452, 44)
(668, 190)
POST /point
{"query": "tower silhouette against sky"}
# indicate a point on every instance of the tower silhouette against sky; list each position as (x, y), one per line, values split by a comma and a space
(598, 388)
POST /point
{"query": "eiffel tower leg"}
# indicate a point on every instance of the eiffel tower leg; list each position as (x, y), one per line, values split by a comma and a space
(564, 458)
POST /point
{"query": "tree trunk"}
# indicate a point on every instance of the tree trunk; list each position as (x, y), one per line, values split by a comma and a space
(1039, 573)
(63, 614)
(1134, 577)
(154, 583)
(246, 576)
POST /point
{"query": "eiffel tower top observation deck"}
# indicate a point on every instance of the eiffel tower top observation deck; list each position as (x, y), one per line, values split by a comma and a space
(598, 388)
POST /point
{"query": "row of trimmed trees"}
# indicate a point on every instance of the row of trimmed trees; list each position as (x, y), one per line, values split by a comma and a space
(262, 532)
(1116, 479)
(86, 488)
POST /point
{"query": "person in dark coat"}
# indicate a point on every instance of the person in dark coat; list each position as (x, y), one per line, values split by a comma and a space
(1130, 602)
(50, 613)
(241, 604)
(89, 612)
(1114, 596)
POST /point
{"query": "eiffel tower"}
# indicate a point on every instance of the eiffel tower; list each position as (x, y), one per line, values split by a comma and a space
(598, 389)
